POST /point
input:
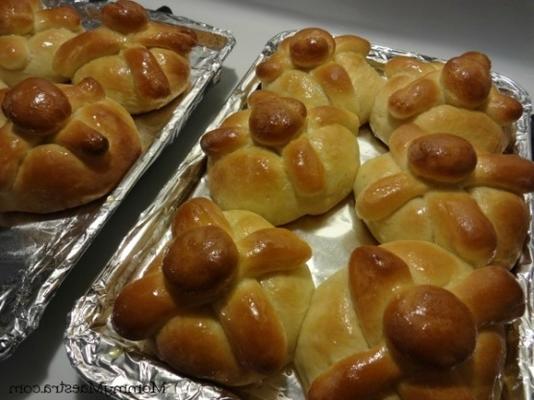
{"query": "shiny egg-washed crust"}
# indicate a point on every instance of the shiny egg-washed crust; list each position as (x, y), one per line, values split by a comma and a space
(281, 160)
(456, 97)
(141, 64)
(227, 299)
(319, 70)
(30, 37)
(436, 187)
(408, 320)
(61, 146)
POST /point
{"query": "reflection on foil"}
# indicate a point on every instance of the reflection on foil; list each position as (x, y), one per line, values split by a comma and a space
(38, 251)
(101, 356)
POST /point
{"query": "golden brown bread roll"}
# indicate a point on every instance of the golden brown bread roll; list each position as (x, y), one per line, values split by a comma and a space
(30, 36)
(141, 64)
(61, 145)
(226, 301)
(456, 97)
(408, 320)
(320, 70)
(436, 187)
(281, 160)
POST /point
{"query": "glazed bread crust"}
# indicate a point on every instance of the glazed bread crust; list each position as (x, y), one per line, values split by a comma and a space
(62, 146)
(320, 70)
(227, 299)
(456, 97)
(436, 187)
(141, 64)
(30, 36)
(281, 160)
(408, 320)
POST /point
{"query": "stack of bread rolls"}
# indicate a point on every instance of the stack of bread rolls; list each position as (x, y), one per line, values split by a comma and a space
(420, 316)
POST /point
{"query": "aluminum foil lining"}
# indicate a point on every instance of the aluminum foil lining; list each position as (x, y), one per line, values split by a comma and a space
(107, 360)
(37, 252)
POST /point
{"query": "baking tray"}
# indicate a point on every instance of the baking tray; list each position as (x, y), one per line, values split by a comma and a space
(38, 251)
(106, 360)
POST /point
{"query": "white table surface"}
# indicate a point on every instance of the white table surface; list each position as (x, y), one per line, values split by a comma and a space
(502, 29)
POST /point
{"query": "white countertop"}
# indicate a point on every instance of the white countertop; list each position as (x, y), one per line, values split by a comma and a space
(504, 30)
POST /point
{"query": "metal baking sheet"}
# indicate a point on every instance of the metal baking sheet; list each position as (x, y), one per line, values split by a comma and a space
(105, 359)
(38, 251)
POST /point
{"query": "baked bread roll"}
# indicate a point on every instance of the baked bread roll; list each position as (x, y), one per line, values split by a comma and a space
(320, 70)
(438, 188)
(281, 160)
(62, 145)
(457, 97)
(226, 301)
(141, 64)
(408, 320)
(30, 37)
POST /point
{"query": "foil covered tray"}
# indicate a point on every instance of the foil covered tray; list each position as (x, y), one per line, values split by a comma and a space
(105, 359)
(37, 252)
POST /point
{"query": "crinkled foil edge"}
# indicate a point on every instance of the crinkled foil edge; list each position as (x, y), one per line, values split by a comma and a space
(107, 360)
(43, 279)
